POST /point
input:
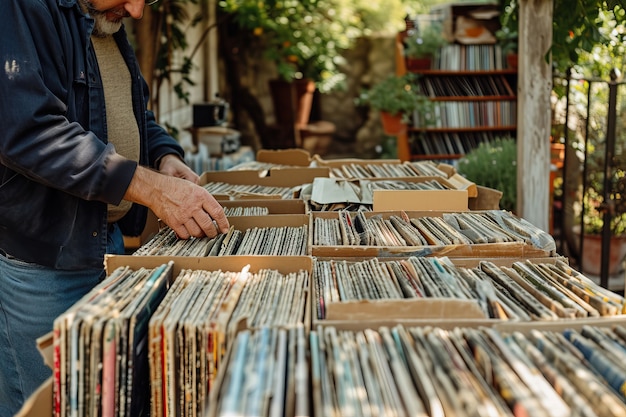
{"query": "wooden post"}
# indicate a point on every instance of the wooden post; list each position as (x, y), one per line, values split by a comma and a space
(533, 111)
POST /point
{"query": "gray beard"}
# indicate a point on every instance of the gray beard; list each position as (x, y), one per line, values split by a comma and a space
(102, 26)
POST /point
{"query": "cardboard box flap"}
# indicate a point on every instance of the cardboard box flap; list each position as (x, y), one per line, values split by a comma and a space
(46, 348)
(276, 177)
(337, 163)
(255, 196)
(435, 308)
(418, 200)
(39, 404)
(443, 323)
(486, 199)
(331, 190)
(296, 157)
(283, 264)
(447, 168)
(560, 325)
(459, 182)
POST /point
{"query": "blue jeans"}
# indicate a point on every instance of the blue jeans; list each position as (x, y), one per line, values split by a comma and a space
(31, 297)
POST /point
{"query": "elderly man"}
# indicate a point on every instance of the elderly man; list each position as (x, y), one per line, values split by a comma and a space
(81, 160)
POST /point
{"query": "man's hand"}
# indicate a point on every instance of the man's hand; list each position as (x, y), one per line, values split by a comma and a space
(186, 207)
(172, 165)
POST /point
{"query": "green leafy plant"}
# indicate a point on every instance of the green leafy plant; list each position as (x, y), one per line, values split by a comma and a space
(591, 205)
(425, 43)
(305, 39)
(396, 94)
(508, 33)
(494, 165)
(593, 218)
(580, 26)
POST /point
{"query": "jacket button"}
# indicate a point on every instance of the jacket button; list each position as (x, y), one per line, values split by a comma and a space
(94, 234)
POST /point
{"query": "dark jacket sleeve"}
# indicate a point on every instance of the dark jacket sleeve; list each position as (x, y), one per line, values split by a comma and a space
(37, 139)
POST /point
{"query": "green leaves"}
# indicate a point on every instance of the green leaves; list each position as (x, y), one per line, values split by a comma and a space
(396, 94)
(494, 165)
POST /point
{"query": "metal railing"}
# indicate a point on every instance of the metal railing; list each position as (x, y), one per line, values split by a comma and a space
(596, 117)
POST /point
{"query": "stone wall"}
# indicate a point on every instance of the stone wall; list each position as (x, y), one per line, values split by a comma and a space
(358, 130)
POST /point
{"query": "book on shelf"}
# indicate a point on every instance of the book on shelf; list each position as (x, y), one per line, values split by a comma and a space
(466, 86)
(475, 101)
(456, 57)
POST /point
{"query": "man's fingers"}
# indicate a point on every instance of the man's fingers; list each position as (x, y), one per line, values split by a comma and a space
(207, 225)
(181, 232)
(216, 211)
(194, 229)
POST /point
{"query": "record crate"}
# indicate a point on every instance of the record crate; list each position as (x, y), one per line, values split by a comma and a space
(555, 369)
(358, 234)
(455, 291)
(271, 234)
(221, 329)
(280, 183)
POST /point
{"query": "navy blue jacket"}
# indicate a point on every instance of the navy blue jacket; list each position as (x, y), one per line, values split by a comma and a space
(57, 171)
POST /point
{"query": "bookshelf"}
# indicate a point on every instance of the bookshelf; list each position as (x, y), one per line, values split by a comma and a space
(475, 96)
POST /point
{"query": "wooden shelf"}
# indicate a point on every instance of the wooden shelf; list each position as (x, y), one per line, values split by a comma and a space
(417, 157)
(465, 98)
(475, 98)
(463, 129)
(507, 71)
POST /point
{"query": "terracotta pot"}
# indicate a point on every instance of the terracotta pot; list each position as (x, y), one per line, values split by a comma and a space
(418, 64)
(557, 154)
(592, 254)
(511, 60)
(292, 101)
(392, 124)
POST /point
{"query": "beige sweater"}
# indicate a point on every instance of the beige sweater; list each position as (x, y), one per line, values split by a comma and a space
(122, 128)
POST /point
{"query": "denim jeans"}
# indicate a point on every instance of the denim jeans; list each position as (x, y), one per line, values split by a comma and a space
(31, 297)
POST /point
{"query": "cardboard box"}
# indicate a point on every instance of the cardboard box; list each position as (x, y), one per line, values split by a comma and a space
(300, 157)
(481, 250)
(244, 223)
(293, 157)
(486, 199)
(445, 313)
(335, 164)
(279, 177)
(39, 404)
(282, 264)
(503, 326)
(420, 200)
(328, 191)
(151, 228)
(418, 311)
(338, 163)
(406, 308)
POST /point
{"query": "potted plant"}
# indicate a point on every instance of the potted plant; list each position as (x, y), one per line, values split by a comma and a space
(508, 33)
(422, 45)
(301, 38)
(494, 165)
(397, 98)
(305, 41)
(590, 211)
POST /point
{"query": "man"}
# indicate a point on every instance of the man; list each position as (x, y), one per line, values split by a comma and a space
(77, 148)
